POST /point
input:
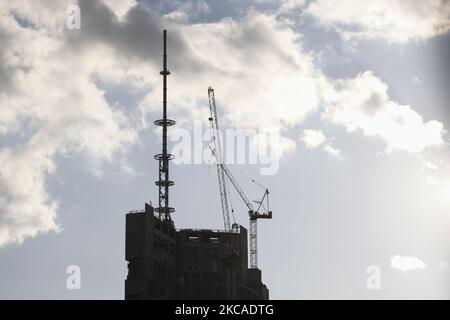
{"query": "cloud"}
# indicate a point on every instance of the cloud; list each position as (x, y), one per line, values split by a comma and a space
(332, 150)
(430, 165)
(290, 5)
(431, 180)
(392, 20)
(134, 36)
(26, 208)
(265, 67)
(128, 170)
(53, 107)
(54, 83)
(56, 100)
(41, 15)
(362, 103)
(120, 7)
(407, 263)
(314, 139)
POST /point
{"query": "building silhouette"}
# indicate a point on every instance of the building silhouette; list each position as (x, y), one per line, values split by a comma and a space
(166, 263)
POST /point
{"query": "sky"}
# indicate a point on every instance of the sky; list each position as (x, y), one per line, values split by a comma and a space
(356, 92)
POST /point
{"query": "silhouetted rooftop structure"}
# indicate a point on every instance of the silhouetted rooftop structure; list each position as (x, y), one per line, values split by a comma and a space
(165, 263)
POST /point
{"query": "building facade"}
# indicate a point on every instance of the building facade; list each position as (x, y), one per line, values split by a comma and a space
(165, 263)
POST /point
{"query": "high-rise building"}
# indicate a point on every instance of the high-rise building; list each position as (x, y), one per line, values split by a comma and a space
(165, 263)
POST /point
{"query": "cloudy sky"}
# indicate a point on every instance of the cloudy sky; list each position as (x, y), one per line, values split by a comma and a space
(358, 90)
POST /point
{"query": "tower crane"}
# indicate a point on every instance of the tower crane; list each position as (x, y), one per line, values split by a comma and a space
(223, 170)
(253, 214)
(217, 145)
(230, 259)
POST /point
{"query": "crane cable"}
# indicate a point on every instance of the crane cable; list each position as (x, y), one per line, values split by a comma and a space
(227, 190)
(231, 202)
(242, 172)
(250, 178)
(226, 180)
(258, 184)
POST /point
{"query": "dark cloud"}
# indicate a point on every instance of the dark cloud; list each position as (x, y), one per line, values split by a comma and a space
(6, 72)
(5, 76)
(255, 39)
(138, 35)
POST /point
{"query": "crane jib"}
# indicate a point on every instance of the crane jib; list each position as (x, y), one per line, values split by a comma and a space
(222, 171)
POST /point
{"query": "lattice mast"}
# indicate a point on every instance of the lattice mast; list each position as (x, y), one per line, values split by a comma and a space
(217, 146)
(262, 212)
(163, 158)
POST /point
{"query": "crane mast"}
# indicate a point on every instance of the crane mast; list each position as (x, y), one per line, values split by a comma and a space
(253, 214)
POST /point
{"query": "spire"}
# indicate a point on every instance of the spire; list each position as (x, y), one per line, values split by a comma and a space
(163, 158)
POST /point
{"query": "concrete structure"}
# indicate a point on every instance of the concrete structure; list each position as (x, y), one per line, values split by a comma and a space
(150, 252)
(164, 263)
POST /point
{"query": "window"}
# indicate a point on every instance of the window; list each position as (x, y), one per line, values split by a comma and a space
(214, 240)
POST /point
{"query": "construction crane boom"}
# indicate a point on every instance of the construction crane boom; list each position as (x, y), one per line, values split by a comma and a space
(218, 149)
(223, 170)
(233, 181)
(253, 215)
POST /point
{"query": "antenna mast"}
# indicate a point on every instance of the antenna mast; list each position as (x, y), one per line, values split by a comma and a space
(163, 158)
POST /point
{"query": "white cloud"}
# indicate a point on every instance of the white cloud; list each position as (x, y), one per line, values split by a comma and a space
(184, 10)
(26, 208)
(289, 5)
(407, 263)
(392, 20)
(262, 77)
(177, 16)
(312, 138)
(263, 69)
(431, 180)
(333, 151)
(53, 107)
(56, 99)
(363, 103)
(120, 7)
(44, 14)
(430, 165)
(444, 191)
(315, 138)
